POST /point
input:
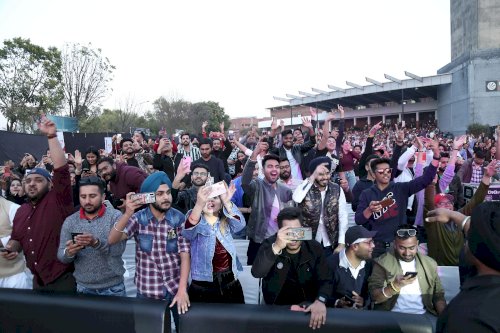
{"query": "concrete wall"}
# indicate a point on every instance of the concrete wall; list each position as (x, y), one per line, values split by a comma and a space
(488, 24)
(475, 25)
(465, 100)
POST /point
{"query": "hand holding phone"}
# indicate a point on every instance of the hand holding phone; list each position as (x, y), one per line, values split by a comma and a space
(300, 234)
(410, 275)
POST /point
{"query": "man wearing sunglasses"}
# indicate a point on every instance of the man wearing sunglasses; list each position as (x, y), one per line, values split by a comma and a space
(404, 280)
(98, 265)
(382, 207)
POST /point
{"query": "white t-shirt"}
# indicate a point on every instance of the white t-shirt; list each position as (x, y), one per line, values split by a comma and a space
(410, 296)
(293, 165)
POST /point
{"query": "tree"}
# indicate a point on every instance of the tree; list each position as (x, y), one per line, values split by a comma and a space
(30, 82)
(211, 112)
(477, 129)
(173, 114)
(86, 78)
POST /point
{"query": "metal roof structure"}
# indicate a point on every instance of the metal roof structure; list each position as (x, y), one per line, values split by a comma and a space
(395, 91)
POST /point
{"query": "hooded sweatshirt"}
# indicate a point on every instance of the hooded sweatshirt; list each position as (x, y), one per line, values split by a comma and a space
(389, 218)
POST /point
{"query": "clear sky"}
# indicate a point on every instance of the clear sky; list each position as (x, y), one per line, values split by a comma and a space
(240, 53)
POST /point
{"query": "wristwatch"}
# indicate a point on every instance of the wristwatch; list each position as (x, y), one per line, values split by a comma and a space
(321, 299)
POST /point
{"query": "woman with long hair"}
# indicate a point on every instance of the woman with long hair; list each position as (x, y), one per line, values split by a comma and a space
(214, 263)
(90, 160)
(15, 191)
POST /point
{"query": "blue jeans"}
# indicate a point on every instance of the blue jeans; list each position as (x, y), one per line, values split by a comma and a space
(116, 290)
(351, 178)
(173, 311)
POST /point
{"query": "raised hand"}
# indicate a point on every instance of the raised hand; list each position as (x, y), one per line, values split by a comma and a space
(204, 125)
(78, 158)
(330, 116)
(226, 197)
(274, 124)
(46, 126)
(202, 196)
(459, 142)
(313, 112)
(341, 109)
(375, 128)
(306, 122)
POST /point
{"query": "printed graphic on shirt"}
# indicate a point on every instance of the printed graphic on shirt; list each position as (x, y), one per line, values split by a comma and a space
(389, 210)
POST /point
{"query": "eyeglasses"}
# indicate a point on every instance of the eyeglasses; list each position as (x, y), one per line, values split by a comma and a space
(406, 233)
(370, 242)
(382, 171)
(201, 174)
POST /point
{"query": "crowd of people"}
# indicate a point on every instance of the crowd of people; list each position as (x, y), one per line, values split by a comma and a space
(185, 199)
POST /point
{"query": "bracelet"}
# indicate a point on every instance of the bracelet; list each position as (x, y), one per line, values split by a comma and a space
(276, 252)
(394, 287)
(464, 222)
(51, 136)
(383, 293)
(455, 149)
(122, 231)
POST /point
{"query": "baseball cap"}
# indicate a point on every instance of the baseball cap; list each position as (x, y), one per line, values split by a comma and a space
(41, 172)
(357, 232)
(443, 196)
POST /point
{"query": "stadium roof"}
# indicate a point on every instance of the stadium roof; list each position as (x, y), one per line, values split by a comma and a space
(395, 90)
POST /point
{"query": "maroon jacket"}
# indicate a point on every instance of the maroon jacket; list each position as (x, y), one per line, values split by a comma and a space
(127, 179)
(38, 228)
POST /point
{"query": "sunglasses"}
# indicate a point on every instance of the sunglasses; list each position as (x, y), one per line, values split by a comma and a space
(382, 171)
(406, 233)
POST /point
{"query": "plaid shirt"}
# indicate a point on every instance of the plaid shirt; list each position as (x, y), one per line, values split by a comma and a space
(477, 173)
(158, 248)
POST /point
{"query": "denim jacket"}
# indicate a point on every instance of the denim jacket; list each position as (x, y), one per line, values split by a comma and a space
(174, 220)
(203, 238)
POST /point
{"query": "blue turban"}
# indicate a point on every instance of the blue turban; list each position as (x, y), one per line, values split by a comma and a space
(153, 181)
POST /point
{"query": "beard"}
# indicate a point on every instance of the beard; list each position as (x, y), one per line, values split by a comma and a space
(285, 175)
(91, 209)
(39, 195)
(159, 208)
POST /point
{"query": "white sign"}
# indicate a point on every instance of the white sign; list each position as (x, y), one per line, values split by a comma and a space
(60, 137)
(108, 144)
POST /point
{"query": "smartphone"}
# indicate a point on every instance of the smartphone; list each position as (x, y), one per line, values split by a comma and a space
(349, 300)
(74, 234)
(410, 274)
(217, 189)
(300, 233)
(187, 160)
(66, 155)
(386, 202)
(108, 204)
(144, 198)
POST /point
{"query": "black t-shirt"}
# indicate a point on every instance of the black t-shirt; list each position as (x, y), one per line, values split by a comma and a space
(291, 292)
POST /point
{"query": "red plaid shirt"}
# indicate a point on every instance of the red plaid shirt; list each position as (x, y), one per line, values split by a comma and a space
(158, 248)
